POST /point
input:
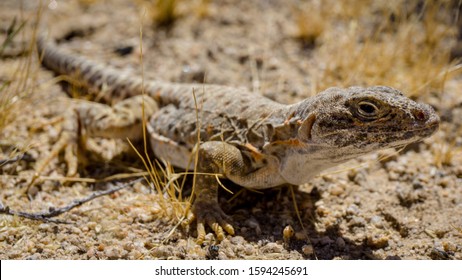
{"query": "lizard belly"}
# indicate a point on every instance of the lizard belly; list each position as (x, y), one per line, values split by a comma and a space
(169, 150)
(299, 169)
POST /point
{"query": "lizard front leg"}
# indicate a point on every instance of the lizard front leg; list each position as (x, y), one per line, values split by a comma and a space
(217, 157)
(90, 119)
(206, 209)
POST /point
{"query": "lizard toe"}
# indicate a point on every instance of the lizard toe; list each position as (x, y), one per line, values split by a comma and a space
(211, 214)
(70, 156)
(67, 144)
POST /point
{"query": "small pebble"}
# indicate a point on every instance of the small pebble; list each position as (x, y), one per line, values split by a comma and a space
(340, 242)
(212, 252)
(252, 223)
(123, 50)
(322, 211)
(357, 222)
(162, 252)
(32, 192)
(135, 255)
(377, 240)
(29, 246)
(121, 234)
(44, 227)
(308, 250)
(113, 253)
(449, 246)
(337, 190)
(446, 182)
(192, 73)
(272, 248)
(237, 240)
(377, 221)
(222, 255)
(91, 252)
(326, 240)
(46, 240)
(300, 235)
(249, 249)
(146, 218)
(352, 210)
(438, 254)
(128, 246)
(100, 247)
(33, 257)
(288, 233)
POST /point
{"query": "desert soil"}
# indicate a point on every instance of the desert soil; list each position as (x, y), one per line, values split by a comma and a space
(406, 206)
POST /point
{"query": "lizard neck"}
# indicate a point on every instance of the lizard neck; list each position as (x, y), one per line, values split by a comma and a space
(300, 157)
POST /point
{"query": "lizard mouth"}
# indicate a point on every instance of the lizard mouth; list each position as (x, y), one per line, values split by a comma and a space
(384, 138)
(426, 130)
(411, 135)
(423, 132)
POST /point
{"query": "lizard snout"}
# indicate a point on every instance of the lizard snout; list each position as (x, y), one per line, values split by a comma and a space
(424, 114)
(420, 115)
(426, 118)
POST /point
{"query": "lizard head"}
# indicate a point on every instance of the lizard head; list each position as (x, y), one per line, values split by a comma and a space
(365, 119)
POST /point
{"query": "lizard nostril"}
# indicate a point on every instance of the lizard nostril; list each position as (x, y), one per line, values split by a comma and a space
(419, 115)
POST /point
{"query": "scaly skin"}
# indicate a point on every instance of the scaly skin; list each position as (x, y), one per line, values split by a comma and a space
(251, 140)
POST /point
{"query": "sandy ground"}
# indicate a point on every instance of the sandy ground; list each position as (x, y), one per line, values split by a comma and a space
(407, 206)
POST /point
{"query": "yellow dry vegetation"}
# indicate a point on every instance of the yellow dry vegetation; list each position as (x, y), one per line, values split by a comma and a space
(404, 44)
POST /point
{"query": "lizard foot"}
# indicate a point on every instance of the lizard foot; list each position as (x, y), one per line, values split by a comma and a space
(209, 213)
(67, 144)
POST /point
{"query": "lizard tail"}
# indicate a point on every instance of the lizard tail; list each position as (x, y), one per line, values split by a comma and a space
(108, 83)
(113, 83)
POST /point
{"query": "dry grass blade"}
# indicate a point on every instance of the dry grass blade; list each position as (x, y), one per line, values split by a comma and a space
(7, 96)
(12, 31)
(162, 176)
(198, 141)
(16, 89)
(300, 218)
(459, 229)
(444, 153)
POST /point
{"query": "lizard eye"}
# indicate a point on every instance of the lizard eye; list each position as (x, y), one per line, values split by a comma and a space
(367, 110)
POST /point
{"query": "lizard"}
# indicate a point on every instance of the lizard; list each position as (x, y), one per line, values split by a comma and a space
(249, 139)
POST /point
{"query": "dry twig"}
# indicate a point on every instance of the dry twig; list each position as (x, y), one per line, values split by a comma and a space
(46, 216)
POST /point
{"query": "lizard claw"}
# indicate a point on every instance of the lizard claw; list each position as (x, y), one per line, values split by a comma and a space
(210, 213)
